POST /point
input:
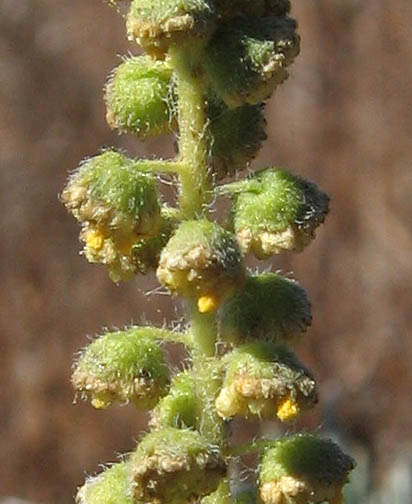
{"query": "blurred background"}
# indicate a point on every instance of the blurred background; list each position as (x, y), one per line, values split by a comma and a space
(343, 120)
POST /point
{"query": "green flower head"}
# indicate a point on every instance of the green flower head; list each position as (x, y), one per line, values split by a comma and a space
(122, 366)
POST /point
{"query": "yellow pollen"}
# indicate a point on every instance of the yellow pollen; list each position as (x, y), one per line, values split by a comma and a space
(287, 409)
(95, 240)
(207, 303)
(99, 403)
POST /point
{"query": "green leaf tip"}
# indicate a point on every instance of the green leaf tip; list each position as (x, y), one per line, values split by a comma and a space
(122, 366)
(171, 466)
(271, 307)
(139, 97)
(113, 486)
(274, 211)
(247, 58)
(303, 469)
(157, 24)
(266, 380)
(201, 260)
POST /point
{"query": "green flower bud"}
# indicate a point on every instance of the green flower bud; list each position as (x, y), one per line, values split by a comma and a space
(171, 466)
(247, 58)
(122, 366)
(271, 307)
(138, 97)
(117, 205)
(113, 486)
(201, 261)
(236, 136)
(275, 211)
(266, 380)
(226, 10)
(156, 24)
(179, 407)
(303, 469)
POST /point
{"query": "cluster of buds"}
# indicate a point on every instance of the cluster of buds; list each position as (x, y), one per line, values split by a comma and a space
(209, 67)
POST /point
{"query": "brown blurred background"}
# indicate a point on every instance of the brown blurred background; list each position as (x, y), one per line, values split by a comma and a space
(344, 120)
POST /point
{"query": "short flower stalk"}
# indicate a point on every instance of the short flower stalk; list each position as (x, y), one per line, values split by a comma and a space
(208, 69)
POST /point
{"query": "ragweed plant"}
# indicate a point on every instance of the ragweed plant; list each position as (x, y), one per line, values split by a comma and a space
(208, 68)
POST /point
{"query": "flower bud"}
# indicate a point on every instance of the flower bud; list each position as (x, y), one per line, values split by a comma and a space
(122, 366)
(138, 97)
(275, 211)
(201, 261)
(179, 407)
(111, 486)
(117, 205)
(271, 307)
(171, 466)
(156, 24)
(303, 469)
(247, 58)
(266, 380)
(236, 137)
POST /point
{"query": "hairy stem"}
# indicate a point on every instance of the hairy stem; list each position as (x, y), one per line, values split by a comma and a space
(195, 188)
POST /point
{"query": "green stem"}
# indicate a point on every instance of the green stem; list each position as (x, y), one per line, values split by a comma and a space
(195, 191)
(206, 370)
(160, 165)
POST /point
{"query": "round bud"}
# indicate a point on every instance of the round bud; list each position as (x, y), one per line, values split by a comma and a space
(118, 206)
(179, 407)
(236, 136)
(138, 97)
(247, 58)
(266, 380)
(201, 261)
(271, 307)
(171, 466)
(111, 486)
(156, 24)
(275, 211)
(303, 469)
(122, 366)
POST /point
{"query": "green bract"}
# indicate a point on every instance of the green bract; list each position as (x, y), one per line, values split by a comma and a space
(122, 366)
(236, 136)
(266, 380)
(275, 211)
(180, 407)
(172, 466)
(201, 259)
(271, 307)
(110, 487)
(303, 469)
(156, 24)
(138, 97)
(247, 58)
